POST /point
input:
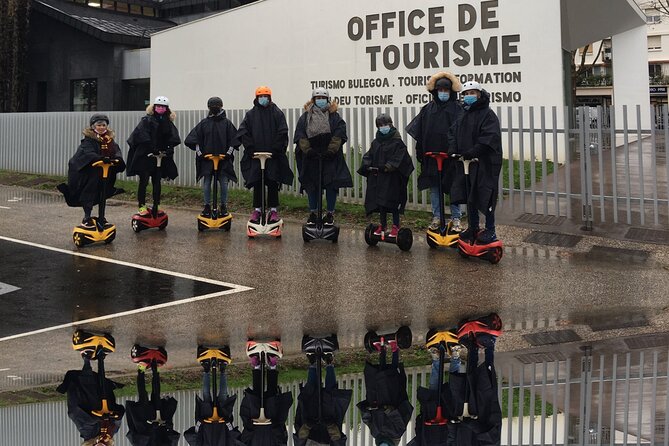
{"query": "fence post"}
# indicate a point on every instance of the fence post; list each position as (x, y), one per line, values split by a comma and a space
(586, 173)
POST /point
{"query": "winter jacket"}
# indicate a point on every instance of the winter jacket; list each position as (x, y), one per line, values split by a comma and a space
(276, 409)
(141, 432)
(214, 135)
(264, 129)
(477, 134)
(430, 128)
(335, 170)
(213, 434)
(387, 186)
(84, 182)
(153, 134)
(333, 410)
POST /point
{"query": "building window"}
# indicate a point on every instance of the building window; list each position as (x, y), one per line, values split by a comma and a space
(655, 70)
(654, 42)
(653, 19)
(84, 95)
(122, 7)
(148, 11)
(108, 4)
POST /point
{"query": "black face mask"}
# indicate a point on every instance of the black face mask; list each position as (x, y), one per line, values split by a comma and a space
(213, 111)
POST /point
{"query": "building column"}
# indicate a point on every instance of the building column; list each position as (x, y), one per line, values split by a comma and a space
(630, 76)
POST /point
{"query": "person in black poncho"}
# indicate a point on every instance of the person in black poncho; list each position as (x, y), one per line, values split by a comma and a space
(154, 134)
(264, 129)
(84, 184)
(387, 166)
(214, 135)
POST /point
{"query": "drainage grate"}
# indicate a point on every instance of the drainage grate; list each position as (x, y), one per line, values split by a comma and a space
(534, 358)
(648, 235)
(617, 321)
(619, 255)
(552, 337)
(553, 239)
(549, 220)
(647, 341)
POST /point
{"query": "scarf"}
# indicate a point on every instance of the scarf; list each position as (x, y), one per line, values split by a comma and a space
(106, 144)
(318, 121)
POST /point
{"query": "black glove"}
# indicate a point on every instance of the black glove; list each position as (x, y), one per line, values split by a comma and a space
(106, 160)
(389, 168)
(373, 170)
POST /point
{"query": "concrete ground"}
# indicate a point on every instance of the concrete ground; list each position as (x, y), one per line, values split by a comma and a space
(284, 288)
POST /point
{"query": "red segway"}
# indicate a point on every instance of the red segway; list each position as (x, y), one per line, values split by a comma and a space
(157, 218)
(472, 246)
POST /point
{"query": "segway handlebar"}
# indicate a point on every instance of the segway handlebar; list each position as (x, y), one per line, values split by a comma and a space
(159, 157)
(105, 164)
(262, 157)
(214, 159)
(439, 157)
(464, 161)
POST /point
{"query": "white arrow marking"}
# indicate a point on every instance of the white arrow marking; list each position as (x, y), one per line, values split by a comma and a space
(7, 288)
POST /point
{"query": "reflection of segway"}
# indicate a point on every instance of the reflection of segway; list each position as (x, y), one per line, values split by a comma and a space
(312, 231)
(262, 350)
(264, 227)
(102, 231)
(472, 247)
(157, 218)
(154, 358)
(215, 221)
(318, 347)
(402, 337)
(444, 236)
(215, 356)
(97, 347)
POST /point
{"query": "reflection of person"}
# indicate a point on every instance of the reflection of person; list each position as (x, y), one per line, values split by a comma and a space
(276, 404)
(321, 133)
(264, 129)
(150, 419)
(325, 430)
(86, 390)
(84, 186)
(214, 135)
(431, 129)
(154, 133)
(386, 409)
(387, 166)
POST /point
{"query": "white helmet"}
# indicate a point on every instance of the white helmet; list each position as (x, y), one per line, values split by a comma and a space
(320, 92)
(471, 85)
(162, 100)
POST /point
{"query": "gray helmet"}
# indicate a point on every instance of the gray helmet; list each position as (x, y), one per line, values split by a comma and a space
(215, 101)
(320, 92)
(383, 119)
(98, 117)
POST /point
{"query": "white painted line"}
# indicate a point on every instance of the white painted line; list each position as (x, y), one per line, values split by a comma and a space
(7, 288)
(234, 289)
(5, 207)
(4, 370)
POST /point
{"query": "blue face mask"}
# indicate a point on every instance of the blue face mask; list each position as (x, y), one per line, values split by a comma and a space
(443, 96)
(321, 103)
(384, 129)
(264, 101)
(469, 99)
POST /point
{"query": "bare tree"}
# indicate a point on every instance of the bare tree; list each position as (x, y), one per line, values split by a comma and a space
(661, 6)
(580, 70)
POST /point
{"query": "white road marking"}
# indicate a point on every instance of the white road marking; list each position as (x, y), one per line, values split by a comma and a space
(7, 288)
(5, 207)
(234, 288)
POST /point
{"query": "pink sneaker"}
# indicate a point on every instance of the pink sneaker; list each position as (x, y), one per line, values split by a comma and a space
(378, 231)
(273, 217)
(272, 361)
(394, 231)
(255, 361)
(255, 217)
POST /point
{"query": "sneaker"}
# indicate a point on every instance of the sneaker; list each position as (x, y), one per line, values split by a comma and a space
(88, 223)
(434, 353)
(273, 217)
(436, 223)
(255, 217)
(456, 225)
(328, 357)
(394, 231)
(143, 211)
(206, 212)
(469, 234)
(254, 360)
(487, 236)
(328, 219)
(223, 210)
(272, 361)
(486, 340)
(379, 231)
(313, 219)
(457, 352)
(333, 432)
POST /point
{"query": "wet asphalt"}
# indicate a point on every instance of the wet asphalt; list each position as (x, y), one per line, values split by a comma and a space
(297, 287)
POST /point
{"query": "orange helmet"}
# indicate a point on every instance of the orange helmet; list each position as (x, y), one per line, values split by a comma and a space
(263, 90)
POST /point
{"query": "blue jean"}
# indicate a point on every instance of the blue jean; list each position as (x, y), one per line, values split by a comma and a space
(222, 190)
(474, 218)
(222, 387)
(330, 377)
(330, 199)
(454, 367)
(436, 211)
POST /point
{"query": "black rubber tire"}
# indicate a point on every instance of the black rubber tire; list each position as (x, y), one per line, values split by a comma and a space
(227, 226)
(369, 337)
(404, 337)
(135, 225)
(111, 238)
(405, 239)
(463, 254)
(368, 235)
(431, 243)
(162, 226)
(495, 256)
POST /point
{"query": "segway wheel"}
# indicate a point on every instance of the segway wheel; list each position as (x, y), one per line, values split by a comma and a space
(404, 239)
(135, 225)
(305, 237)
(111, 238)
(78, 240)
(226, 227)
(404, 337)
(163, 225)
(431, 243)
(369, 341)
(369, 238)
(335, 239)
(495, 255)
(463, 254)
(200, 226)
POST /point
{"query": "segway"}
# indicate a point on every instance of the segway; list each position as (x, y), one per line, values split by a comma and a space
(264, 227)
(215, 356)
(404, 239)
(472, 247)
(102, 231)
(157, 218)
(445, 235)
(318, 230)
(318, 347)
(438, 340)
(215, 221)
(152, 358)
(262, 350)
(374, 342)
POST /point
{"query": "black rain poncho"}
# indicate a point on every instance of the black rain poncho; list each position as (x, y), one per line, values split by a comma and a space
(264, 129)
(276, 409)
(386, 190)
(334, 406)
(214, 135)
(213, 434)
(478, 133)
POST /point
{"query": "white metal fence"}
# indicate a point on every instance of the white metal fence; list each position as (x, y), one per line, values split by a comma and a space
(587, 399)
(598, 168)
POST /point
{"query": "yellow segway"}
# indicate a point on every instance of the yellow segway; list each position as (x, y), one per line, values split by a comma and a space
(214, 220)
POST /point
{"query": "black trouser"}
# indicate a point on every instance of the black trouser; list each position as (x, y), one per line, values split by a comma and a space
(272, 194)
(272, 382)
(384, 217)
(143, 182)
(141, 387)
